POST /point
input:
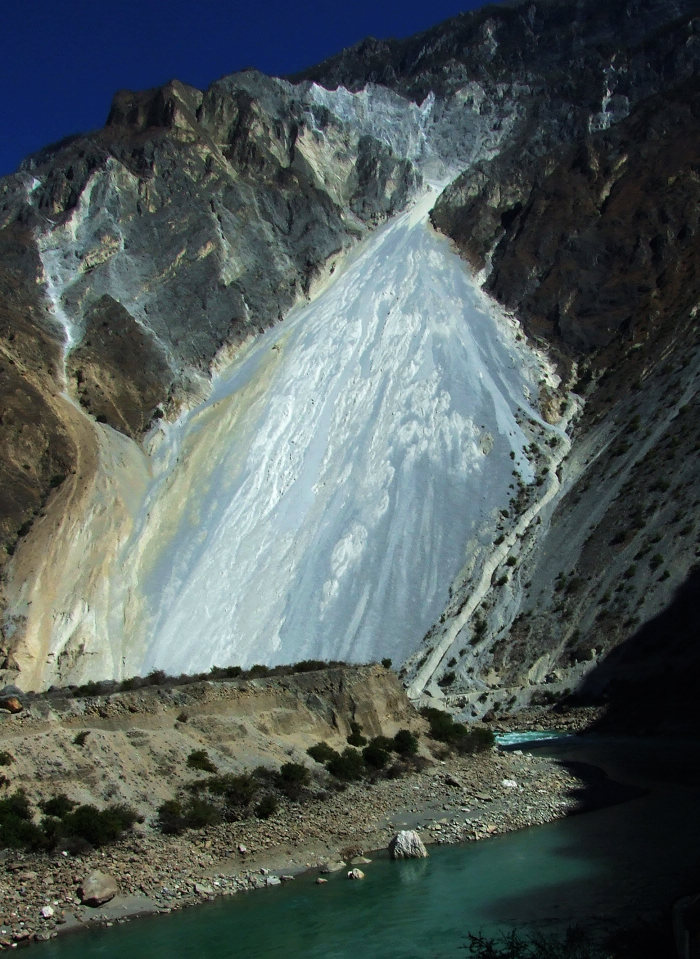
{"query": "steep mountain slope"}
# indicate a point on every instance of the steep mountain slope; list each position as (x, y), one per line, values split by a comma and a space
(396, 460)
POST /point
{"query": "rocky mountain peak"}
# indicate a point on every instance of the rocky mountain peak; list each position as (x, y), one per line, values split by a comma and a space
(138, 261)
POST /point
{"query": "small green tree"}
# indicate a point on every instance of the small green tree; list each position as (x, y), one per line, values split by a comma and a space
(199, 759)
(405, 743)
(348, 766)
(322, 752)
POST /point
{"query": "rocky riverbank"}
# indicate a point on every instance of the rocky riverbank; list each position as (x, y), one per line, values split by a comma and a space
(469, 798)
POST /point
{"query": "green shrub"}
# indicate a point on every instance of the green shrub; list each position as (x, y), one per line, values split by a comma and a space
(267, 806)
(292, 779)
(374, 756)
(294, 773)
(446, 730)
(258, 671)
(171, 817)
(98, 826)
(356, 738)
(199, 813)
(386, 663)
(477, 740)
(405, 743)
(225, 672)
(322, 752)
(447, 679)
(199, 759)
(6, 758)
(18, 833)
(57, 806)
(174, 818)
(348, 766)
(237, 790)
(309, 666)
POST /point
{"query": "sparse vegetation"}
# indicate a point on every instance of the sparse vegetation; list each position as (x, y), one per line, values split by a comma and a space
(356, 738)
(63, 824)
(160, 678)
(347, 766)
(444, 729)
(405, 743)
(199, 759)
(321, 752)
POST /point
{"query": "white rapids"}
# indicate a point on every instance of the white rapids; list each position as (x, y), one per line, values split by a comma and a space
(321, 501)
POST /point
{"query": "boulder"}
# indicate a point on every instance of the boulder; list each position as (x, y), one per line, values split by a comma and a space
(407, 844)
(356, 874)
(11, 699)
(98, 888)
(11, 704)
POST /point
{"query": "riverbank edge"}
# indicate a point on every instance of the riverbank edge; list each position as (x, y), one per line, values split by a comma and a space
(455, 800)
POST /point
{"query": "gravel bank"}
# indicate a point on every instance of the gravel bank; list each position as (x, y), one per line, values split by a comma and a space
(462, 799)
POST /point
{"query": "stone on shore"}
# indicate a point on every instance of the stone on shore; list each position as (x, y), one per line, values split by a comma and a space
(407, 844)
(98, 888)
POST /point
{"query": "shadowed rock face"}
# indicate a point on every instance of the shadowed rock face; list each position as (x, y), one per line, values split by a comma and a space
(120, 372)
(597, 241)
(37, 448)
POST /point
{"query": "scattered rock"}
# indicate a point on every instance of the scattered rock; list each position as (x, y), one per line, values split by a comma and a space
(356, 874)
(203, 890)
(407, 844)
(359, 861)
(98, 888)
(46, 912)
(320, 881)
(11, 704)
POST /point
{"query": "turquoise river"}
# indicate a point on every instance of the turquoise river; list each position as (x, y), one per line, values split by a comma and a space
(611, 864)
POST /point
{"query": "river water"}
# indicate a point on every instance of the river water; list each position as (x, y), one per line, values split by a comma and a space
(617, 862)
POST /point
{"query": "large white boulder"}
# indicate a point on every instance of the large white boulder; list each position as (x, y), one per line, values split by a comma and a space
(407, 844)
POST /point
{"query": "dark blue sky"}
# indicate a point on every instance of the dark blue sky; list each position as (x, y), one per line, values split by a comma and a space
(62, 61)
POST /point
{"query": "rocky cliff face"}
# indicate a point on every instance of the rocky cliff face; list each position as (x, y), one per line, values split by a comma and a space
(136, 262)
